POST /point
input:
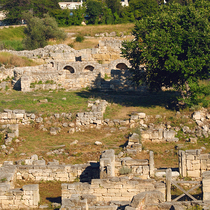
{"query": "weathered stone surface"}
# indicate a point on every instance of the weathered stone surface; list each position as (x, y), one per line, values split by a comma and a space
(148, 197)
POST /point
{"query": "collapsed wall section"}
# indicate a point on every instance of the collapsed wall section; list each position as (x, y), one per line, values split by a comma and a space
(192, 163)
(112, 189)
(26, 197)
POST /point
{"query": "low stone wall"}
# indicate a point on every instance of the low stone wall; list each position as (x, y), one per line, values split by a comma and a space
(64, 173)
(192, 163)
(27, 197)
(5, 73)
(206, 185)
(108, 50)
(95, 116)
(67, 75)
(112, 189)
(140, 168)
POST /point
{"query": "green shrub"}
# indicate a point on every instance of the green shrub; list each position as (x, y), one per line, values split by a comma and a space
(124, 170)
(80, 38)
(39, 31)
(11, 45)
(49, 82)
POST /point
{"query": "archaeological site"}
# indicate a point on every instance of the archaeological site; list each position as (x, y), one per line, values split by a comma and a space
(140, 159)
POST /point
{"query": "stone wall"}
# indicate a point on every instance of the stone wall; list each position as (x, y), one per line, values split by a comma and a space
(192, 163)
(206, 185)
(5, 73)
(112, 189)
(71, 75)
(27, 197)
(107, 50)
(11, 198)
(53, 172)
(57, 75)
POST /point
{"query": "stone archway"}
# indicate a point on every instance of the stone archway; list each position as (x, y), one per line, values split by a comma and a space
(69, 68)
(121, 66)
(89, 68)
(52, 64)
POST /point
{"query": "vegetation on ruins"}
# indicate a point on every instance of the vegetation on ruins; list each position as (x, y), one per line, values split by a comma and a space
(9, 60)
(175, 48)
(40, 30)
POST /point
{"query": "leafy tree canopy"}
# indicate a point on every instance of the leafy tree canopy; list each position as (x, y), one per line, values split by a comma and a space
(39, 31)
(15, 8)
(143, 8)
(175, 47)
(93, 10)
(114, 5)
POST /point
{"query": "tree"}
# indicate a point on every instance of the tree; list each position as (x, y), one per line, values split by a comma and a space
(67, 17)
(175, 47)
(39, 31)
(143, 8)
(14, 9)
(93, 10)
(114, 5)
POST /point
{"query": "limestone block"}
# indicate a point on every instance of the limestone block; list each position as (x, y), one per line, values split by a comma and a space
(206, 196)
(4, 115)
(169, 134)
(19, 116)
(100, 190)
(39, 162)
(194, 174)
(146, 135)
(196, 164)
(145, 170)
(31, 187)
(203, 157)
(190, 157)
(141, 115)
(113, 191)
(144, 198)
(197, 115)
(189, 165)
(157, 134)
(61, 175)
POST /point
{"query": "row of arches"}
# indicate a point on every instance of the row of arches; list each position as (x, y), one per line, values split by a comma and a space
(119, 66)
(71, 69)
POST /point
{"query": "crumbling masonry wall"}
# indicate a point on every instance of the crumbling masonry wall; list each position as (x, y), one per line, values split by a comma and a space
(27, 197)
(192, 163)
(112, 189)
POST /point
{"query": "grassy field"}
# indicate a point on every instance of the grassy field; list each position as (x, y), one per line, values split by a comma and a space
(10, 60)
(121, 107)
(35, 141)
(11, 38)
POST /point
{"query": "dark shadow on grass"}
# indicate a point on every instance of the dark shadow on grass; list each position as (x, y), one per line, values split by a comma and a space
(165, 99)
(54, 199)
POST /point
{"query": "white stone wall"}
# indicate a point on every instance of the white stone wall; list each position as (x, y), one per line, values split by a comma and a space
(192, 163)
(112, 189)
(27, 197)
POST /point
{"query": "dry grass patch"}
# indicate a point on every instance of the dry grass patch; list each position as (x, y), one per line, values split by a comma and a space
(10, 60)
(35, 141)
(87, 43)
(50, 191)
(91, 30)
